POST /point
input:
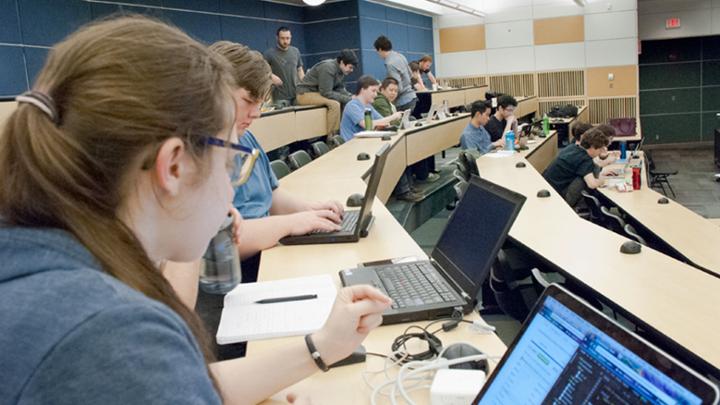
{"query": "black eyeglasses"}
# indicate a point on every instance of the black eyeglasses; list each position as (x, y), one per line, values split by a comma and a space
(240, 162)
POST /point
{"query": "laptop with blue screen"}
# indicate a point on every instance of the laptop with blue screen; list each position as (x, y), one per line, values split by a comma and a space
(570, 353)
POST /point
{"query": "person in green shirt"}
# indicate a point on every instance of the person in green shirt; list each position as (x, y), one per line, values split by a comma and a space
(383, 102)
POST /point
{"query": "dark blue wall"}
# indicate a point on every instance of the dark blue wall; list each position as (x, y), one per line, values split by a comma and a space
(28, 28)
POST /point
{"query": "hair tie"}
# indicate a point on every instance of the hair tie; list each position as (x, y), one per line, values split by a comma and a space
(42, 101)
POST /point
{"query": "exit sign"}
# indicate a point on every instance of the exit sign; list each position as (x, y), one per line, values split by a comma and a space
(672, 23)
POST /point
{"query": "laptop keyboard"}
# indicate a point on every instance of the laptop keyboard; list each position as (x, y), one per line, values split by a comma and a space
(350, 219)
(414, 284)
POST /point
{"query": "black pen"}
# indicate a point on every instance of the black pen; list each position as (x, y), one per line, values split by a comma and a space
(287, 299)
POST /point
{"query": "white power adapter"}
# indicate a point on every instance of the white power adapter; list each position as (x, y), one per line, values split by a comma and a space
(455, 386)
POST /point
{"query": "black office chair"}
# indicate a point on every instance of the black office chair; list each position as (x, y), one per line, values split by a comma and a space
(335, 141)
(615, 222)
(299, 159)
(596, 216)
(511, 286)
(659, 177)
(467, 163)
(280, 168)
(633, 233)
(320, 148)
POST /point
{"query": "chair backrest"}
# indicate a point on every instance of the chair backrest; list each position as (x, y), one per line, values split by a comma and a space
(299, 159)
(632, 232)
(280, 168)
(320, 148)
(649, 160)
(617, 223)
(336, 140)
(469, 161)
(594, 204)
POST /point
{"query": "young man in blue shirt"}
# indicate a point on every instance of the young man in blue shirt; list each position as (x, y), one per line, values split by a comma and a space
(475, 136)
(353, 118)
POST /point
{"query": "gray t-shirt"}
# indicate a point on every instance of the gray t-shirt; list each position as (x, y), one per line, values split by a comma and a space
(284, 64)
(397, 67)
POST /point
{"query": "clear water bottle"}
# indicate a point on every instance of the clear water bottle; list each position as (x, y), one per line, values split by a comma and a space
(509, 140)
(220, 267)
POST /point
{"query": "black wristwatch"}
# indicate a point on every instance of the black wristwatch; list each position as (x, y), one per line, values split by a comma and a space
(315, 354)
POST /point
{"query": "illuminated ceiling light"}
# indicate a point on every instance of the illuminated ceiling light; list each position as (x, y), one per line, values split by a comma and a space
(313, 2)
(460, 7)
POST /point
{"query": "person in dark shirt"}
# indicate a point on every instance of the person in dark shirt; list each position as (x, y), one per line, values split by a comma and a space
(575, 162)
(504, 119)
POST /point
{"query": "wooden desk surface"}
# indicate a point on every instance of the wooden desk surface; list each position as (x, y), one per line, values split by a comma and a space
(676, 299)
(335, 176)
(693, 236)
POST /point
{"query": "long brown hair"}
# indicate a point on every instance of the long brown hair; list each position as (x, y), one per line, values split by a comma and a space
(121, 87)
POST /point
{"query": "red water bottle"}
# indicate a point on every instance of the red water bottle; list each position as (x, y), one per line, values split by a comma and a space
(636, 178)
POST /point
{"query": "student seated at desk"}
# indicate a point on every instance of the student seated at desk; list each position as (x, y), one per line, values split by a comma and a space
(384, 105)
(504, 119)
(270, 213)
(605, 158)
(120, 164)
(353, 117)
(574, 163)
(426, 75)
(475, 136)
(416, 78)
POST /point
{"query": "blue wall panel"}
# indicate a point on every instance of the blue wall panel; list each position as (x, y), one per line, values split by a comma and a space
(45, 22)
(32, 26)
(12, 71)
(9, 24)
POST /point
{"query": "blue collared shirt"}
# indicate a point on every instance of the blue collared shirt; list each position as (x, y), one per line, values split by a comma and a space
(353, 115)
(254, 198)
(476, 138)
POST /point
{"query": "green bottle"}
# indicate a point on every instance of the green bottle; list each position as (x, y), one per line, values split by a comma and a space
(368, 120)
(546, 124)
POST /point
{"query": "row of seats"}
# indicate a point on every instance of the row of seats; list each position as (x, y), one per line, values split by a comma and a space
(300, 158)
(612, 220)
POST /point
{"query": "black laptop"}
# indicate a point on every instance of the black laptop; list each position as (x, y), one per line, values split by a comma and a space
(355, 223)
(570, 353)
(459, 263)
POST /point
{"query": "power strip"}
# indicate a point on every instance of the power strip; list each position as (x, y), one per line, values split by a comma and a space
(455, 386)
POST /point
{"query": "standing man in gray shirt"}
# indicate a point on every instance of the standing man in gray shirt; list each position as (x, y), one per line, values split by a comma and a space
(324, 84)
(397, 68)
(287, 67)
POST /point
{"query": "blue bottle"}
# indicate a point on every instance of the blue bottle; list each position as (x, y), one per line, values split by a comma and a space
(623, 150)
(510, 140)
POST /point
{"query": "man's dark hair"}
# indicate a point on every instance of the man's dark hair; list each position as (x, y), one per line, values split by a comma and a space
(281, 29)
(594, 138)
(608, 129)
(505, 100)
(348, 57)
(388, 81)
(364, 82)
(382, 43)
(478, 106)
(579, 129)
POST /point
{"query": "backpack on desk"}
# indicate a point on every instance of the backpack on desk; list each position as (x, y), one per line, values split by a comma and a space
(624, 126)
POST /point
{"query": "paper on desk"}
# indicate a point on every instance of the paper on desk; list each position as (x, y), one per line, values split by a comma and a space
(500, 154)
(244, 320)
(374, 134)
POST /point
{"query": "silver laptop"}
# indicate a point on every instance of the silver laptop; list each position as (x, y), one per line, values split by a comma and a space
(570, 353)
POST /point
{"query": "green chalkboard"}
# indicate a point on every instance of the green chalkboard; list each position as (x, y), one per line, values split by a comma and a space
(670, 50)
(669, 76)
(671, 128)
(669, 101)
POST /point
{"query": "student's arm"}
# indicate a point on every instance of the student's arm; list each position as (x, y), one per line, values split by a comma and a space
(431, 77)
(277, 81)
(610, 159)
(326, 87)
(357, 310)
(285, 203)
(263, 233)
(500, 143)
(511, 125)
(592, 182)
(383, 122)
(301, 72)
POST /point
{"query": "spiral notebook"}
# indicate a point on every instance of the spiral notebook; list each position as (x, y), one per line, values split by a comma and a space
(245, 320)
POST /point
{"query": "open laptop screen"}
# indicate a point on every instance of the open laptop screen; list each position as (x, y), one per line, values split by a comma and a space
(563, 357)
(476, 231)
